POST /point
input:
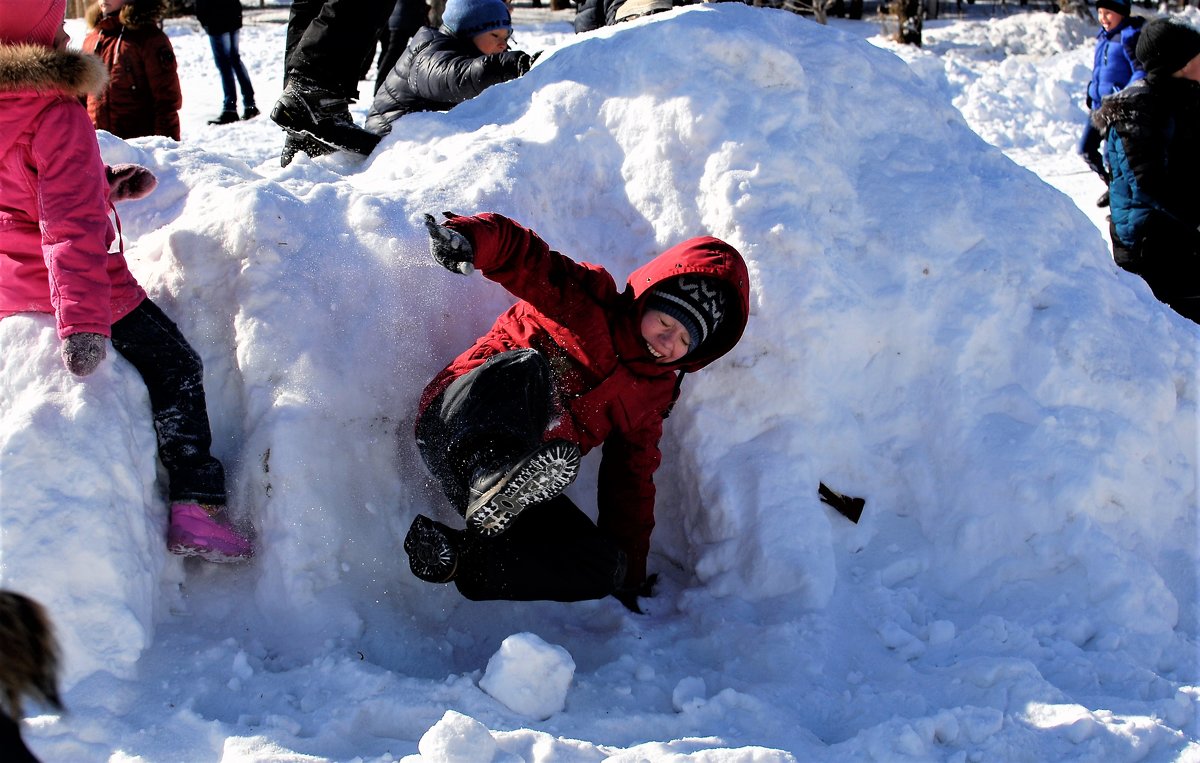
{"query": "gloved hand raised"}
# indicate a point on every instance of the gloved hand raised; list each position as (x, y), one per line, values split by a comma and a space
(82, 353)
(449, 248)
(128, 182)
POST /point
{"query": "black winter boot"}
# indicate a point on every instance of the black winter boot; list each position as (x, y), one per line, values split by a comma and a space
(295, 144)
(307, 109)
(228, 116)
(499, 493)
(432, 550)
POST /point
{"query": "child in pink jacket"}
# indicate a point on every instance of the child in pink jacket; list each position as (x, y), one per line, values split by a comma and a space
(57, 256)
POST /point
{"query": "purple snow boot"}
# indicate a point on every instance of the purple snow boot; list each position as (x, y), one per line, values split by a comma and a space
(203, 531)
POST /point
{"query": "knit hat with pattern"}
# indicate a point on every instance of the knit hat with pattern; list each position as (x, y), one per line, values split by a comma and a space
(697, 302)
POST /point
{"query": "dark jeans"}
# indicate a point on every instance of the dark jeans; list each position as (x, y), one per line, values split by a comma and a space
(174, 378)
(327, 40)
(229, 64)
(552, 551)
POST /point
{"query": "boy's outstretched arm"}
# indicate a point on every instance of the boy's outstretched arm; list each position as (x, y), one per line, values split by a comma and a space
(449, 248)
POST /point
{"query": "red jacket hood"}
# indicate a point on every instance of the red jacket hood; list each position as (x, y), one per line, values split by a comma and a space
(706, 256)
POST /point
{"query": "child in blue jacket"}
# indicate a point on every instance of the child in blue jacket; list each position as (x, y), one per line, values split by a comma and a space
(1115, 66)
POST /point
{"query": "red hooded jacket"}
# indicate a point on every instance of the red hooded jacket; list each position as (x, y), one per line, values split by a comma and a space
(610, 391)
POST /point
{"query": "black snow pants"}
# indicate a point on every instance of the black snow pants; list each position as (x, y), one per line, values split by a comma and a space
(327, 40)
(174, 378)
(552, 551)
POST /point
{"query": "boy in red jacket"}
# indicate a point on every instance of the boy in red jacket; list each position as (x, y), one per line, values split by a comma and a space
(575, 364)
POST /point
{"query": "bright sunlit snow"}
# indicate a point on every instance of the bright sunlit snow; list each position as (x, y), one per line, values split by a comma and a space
(936, 326)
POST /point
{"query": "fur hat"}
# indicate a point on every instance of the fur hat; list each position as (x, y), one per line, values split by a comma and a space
(1166, 45)
(31, 21)
(469, 18)
(1123, 7)
(697, 302)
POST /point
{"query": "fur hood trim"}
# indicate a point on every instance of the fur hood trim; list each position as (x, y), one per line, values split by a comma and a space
(1120, 107)
(137, 14)
(34, 67)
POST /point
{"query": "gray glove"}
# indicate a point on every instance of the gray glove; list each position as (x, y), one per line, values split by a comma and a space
(82, 353)
(127, 182)
(449, 248)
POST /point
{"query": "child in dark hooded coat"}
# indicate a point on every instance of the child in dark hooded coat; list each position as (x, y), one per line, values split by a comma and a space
(1153, 148)
(444, 67)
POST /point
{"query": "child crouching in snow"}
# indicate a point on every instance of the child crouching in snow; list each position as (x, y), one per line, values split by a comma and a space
(55, 239)
(575, 364)
(446, 66)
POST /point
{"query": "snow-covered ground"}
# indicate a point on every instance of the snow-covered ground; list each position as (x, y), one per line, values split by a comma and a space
(937, 326)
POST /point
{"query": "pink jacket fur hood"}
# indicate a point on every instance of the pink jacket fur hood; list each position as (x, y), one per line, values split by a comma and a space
(55, 232)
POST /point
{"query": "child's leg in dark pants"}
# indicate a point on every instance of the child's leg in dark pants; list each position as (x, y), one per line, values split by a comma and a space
(174, 377)
(492, 413)
(552, 552)
(1089, 149)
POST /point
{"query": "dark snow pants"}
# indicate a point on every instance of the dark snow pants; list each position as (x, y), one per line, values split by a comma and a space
(1089, 149)
(1168, 259)
(174, 378)
(406, 20)
(327, 40)
(552, 551)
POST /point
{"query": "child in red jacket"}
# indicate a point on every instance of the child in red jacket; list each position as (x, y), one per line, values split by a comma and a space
(143, 96)
(60, 255)
(575, 364)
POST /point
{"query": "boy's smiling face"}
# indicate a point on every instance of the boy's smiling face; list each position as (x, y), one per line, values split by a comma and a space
(666, 338)
(1109, 19)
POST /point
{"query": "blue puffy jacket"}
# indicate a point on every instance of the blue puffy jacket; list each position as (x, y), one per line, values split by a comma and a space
(1115, 65)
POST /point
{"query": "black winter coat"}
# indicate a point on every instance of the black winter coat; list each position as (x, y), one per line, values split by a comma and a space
(1153, 148)
(437, 71)
(1153, 132)
(219, 16)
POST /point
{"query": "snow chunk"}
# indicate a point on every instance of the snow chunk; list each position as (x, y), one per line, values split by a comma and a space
(529, 676)
(457, 738)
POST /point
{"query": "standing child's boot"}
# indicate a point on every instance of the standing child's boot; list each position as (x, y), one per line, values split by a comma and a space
(228, 116)
(203, 531)
(250, 112)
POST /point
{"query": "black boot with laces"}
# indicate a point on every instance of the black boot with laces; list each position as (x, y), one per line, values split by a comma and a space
(500, 492)
(307, 109)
